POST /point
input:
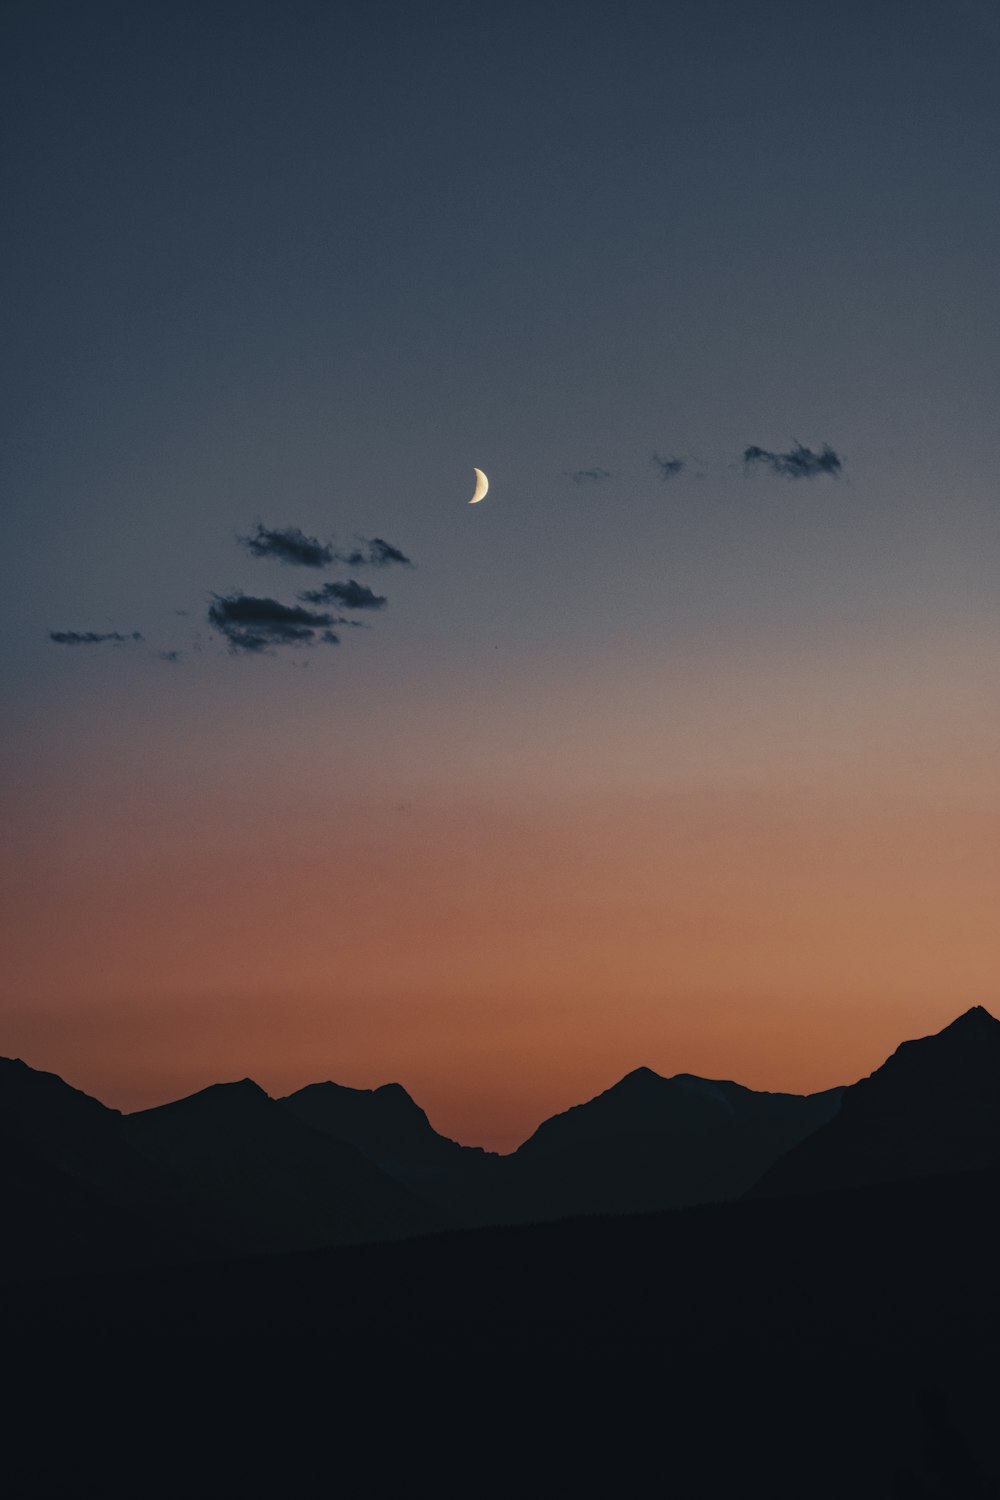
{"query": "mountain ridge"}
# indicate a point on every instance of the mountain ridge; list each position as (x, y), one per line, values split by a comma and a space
(269, 1180)
(229, 1168)
(932, 1106)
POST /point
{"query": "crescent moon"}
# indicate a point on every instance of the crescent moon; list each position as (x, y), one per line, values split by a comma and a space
(482, 485)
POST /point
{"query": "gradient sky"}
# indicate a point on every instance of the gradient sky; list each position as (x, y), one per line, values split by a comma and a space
(697, 772)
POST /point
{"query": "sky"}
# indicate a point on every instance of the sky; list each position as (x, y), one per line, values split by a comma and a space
(661, 755)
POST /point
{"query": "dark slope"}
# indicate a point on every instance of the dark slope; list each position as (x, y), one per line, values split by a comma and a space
(932, 1107)
(74, 1132)
(388, 1127)
(269, 1182)
(822, 1345)
(55, 1223)
(384, 1123)
(832, 1345)
(75, 1194)
(651, 1143)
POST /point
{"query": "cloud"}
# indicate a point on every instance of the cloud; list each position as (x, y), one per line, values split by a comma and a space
(169, 655)
(350, 595)
(375, 553)
(798, 463)
(90, 637)
(668, 467)
(289, 545)
(589, 476)
(256, 625)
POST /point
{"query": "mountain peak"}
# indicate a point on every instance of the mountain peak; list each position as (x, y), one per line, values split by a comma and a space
(931, 1108)
(976, 1021)
(642, 1075)
(970, 1040)
(394, 1091)
(218, 1100)
(21, 1084)
(386, 1124)
(243, 1088)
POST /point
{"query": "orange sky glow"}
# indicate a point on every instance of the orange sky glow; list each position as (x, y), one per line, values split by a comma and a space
(503, 956)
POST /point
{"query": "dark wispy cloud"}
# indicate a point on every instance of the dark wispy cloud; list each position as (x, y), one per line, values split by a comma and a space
(91, 637)
(289, 545)
(171, 656)
(256, 625)
(350, 595)
(668, 468)
(797, 463)
(373, 553)
(589, 476)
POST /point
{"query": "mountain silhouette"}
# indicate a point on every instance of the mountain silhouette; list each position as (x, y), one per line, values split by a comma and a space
(75, 1193)
(268, 1181)
(229, 1169)
(798, 1341)
(932, 1107)
(391, 1130)
(650, 1143)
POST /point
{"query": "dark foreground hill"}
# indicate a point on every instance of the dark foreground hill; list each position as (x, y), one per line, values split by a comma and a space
(836, 1344)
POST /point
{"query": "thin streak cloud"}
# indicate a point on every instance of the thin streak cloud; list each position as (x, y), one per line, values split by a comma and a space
(91, 637)
(589, 476)
(349, 595)
(289, 545)
(376, 553)
(798, 463)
